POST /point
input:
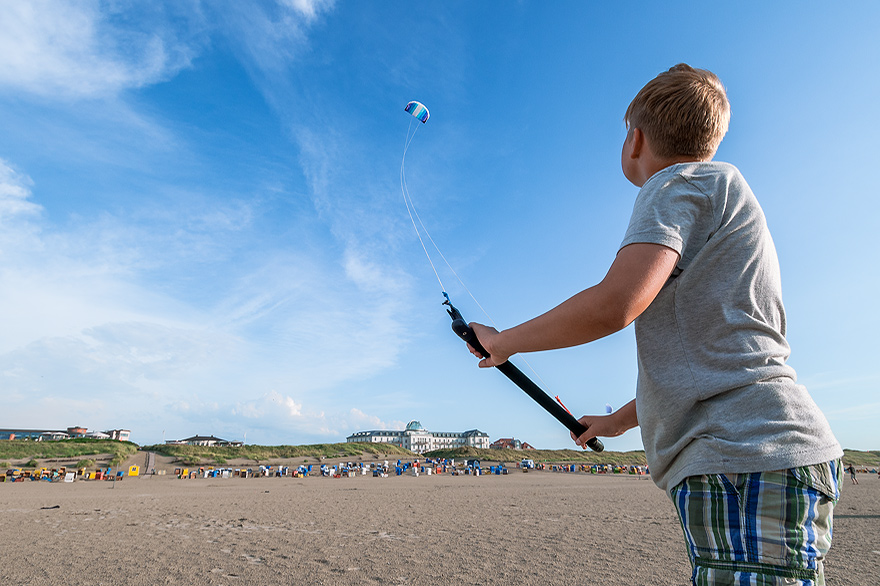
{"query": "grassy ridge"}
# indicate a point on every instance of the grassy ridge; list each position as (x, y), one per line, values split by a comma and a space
(73, 448)
(636, 458)
(859, 458)
(192, 455)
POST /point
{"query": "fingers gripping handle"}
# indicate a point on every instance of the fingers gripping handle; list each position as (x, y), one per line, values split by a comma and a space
(461, 328)
(466, 333)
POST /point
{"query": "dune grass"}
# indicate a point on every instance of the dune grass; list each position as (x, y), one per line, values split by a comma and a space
(79, 448)
(65, 449)
(194, 455)
(860, 458)
(635, 458)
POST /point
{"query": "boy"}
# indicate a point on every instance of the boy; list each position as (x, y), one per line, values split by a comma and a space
(744, 453)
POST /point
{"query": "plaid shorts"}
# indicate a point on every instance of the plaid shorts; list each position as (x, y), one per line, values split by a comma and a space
(759, 529)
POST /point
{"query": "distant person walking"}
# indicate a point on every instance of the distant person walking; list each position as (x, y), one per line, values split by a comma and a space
(852, 474)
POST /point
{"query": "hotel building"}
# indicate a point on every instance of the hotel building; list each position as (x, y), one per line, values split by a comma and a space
(419, 440)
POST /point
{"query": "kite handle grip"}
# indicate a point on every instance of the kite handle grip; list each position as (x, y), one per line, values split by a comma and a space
(466, 333)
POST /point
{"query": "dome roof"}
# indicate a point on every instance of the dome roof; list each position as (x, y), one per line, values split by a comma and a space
(414, 426)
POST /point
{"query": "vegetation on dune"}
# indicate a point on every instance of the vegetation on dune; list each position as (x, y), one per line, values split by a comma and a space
(66, 449)
(636, 458)
(860, 458)
(18, 450)
(194, 455)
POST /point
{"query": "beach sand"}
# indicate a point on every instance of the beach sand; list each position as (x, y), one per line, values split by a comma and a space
(531, 528)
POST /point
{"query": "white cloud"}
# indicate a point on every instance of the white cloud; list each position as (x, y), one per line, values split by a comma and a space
(271, 404)
(171, 314)
(18, 228)
(14, 195)
(76, 49)
(269, 37)
(363, 422)
(318, 150)
(114, 360)
(278, 418)
(309, 8)
(861, 412)
(89, 321)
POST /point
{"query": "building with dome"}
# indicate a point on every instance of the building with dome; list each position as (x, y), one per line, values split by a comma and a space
(419, 440)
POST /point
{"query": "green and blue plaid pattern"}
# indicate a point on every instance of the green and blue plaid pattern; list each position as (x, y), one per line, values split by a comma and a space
(759, 529)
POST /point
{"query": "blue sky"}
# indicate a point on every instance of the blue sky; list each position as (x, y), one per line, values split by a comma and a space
(202, 228)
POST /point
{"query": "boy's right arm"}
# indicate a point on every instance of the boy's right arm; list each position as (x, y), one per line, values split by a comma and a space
(635, 278)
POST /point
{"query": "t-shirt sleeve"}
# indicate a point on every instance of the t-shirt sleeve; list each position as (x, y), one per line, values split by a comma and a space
(673, 213)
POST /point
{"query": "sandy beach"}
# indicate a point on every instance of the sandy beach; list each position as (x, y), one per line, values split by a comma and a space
(531, 528)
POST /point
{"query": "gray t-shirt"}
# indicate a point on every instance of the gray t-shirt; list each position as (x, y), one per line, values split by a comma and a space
(715, 394)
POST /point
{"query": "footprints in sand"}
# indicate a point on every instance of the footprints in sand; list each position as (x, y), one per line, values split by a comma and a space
(384, 535)
(250, 559)
(224, 573)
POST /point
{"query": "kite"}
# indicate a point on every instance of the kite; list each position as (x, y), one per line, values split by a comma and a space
(418, 110)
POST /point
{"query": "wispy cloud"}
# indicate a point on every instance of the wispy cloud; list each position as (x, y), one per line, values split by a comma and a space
(824, 381)
(273, 411)
(187, 307)
(14, 196)
(862, 412)
(76, 49)
(88, 322)
(309, 8)
(269, 37)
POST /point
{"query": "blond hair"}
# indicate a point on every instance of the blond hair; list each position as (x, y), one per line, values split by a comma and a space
(682, 112)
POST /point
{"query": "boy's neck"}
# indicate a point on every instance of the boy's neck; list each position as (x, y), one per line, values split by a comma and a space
(660, 164)
(643, 163)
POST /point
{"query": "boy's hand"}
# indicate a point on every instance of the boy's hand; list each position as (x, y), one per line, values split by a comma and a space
(611, 425)
(488, 337)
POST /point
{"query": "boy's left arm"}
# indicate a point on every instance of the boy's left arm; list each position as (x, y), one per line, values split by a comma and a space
(635, 278)
(610, 425)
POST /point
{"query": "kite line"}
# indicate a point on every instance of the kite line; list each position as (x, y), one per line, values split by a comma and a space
(420, 113)
(459, 325)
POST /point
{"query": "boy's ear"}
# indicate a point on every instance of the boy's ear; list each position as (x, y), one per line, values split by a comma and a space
(638, 143)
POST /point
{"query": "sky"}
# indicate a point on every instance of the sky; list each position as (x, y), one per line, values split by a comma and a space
(202, 227)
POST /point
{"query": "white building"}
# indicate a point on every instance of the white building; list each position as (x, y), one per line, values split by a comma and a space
(419, 440)
(203, 440)
(122, 435)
